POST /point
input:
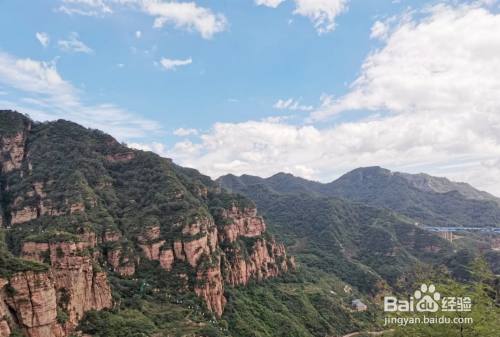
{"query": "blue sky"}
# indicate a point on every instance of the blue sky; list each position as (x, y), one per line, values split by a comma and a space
(312, 87)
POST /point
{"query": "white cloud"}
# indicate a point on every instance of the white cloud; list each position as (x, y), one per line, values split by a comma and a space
(156, 147)
(321, 12)
(182, 132)
(291, 104)
(269, 3)
(85, 7)
(73, 44)
(138, 34)
(47, 96)
(172, 64)
(445, 62)
(379, 30)
(182, 15)
(433, 88)
(43, 38)
(185, 15)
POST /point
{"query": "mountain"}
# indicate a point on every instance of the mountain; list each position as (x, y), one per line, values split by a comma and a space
(375, 250)
(363, 245)
(428, 200)
(97, 239)
(89, 224)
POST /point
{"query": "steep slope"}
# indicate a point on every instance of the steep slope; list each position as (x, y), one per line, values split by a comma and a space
(87, 218)
(429, 200)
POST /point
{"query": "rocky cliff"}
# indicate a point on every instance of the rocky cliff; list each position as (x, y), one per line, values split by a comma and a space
(214, 249)
(51, 303)
(82, 207)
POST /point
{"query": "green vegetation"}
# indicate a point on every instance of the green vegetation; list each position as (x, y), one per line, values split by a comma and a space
(293, 307)
(460, 205)
(12, 122)
(345, 250)
(484, 312)
(53, 236)
(127, 323)
(10, 264)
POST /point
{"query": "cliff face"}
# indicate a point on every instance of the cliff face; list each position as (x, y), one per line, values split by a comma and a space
(214, 250)
(12, 150)
(71, 287)
(86, 206)
(31, 301)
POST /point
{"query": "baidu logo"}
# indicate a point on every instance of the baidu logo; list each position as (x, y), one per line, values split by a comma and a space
(427, 299)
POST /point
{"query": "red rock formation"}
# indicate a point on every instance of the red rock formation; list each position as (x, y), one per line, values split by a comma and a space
(12, 151)
(4, 311)
(44, 206)
(210, 287)
(73, 278)
(83, 287)
(150, 243)
(167, 259)
(33, 300)
(121, 264)
(243, 222)
(267, 259)
(25, 214)
(111, 236)
(120, 157)
(200, 248)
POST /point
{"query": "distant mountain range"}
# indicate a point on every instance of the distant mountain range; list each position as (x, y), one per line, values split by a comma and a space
(428, 200)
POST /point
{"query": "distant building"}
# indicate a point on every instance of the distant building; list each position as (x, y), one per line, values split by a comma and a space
(357, 305)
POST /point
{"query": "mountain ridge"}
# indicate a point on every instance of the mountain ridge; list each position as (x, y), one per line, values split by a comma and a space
(84, 216)
(432, 201)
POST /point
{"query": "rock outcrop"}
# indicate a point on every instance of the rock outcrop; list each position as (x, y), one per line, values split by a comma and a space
(12, 151)
(120, 157)
(212, 251)
(117, 257)
(74, 284)
(243, 222)
(31, 297)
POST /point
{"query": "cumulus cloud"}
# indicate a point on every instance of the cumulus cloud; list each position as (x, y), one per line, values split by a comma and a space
(85, 7)
(269, 3)
(138, 34)
(43, 38)
(445, 62)
(322, 13)
(379, 30)
(291, 104)
(46, 95)
(186, 15)
(172, 64)
(182, 15)
(433, 90)
(182, 132)
(74, 45)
